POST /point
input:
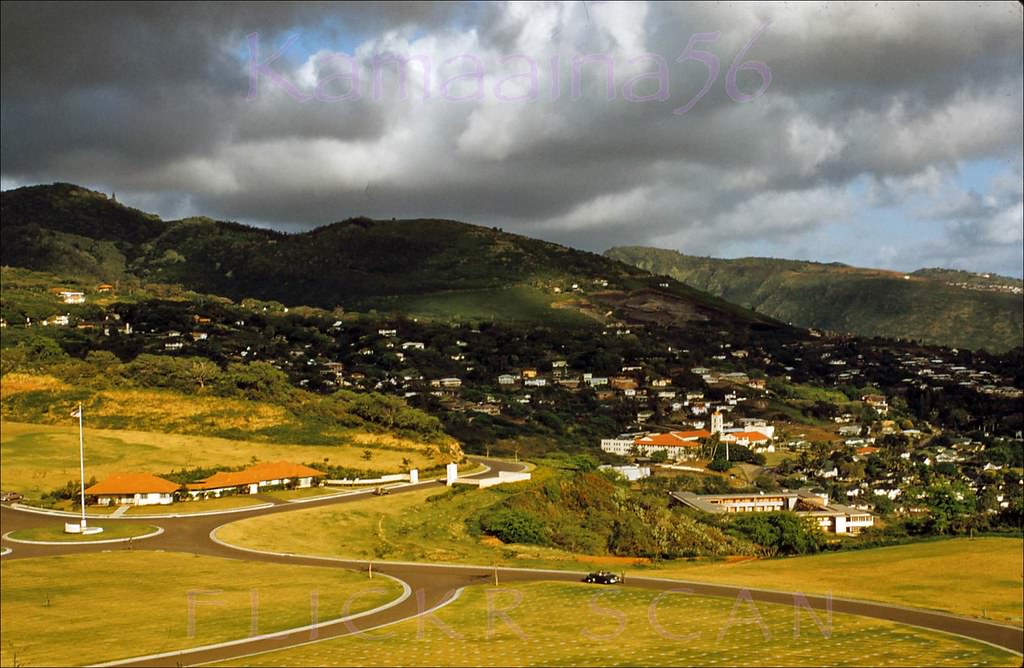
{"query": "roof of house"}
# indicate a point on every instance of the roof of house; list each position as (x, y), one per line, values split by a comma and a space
(256, 474)
(751, 436)
(132, 483)
(674, 438)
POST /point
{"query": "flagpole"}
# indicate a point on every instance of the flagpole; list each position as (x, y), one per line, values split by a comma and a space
(81, 459)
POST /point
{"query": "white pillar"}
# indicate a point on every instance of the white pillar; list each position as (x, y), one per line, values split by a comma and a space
(452, 473)
(414, 476)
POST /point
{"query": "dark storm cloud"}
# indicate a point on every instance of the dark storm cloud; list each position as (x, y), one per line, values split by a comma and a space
(153, 100)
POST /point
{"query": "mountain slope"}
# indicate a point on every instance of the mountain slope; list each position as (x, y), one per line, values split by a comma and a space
(357, 263)
(934, 306)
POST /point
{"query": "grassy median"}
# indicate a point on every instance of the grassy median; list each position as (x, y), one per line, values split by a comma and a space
(111, 531)
(90, 608)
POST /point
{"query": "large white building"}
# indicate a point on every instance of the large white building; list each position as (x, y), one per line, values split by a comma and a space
(830, 517)
(676, 445)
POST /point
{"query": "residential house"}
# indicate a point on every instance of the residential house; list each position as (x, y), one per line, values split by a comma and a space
(72, 297)
(877, 402)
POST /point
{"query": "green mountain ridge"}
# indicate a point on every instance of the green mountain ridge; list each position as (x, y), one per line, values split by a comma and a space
(935, 306)
(427, 267)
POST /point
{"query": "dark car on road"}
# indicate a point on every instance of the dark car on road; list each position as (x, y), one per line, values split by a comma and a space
(603, 577)
(8, 497)
(381, 491)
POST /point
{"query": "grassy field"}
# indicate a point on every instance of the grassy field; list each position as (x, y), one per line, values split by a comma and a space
(111, 530)
(941, 575)
(39, 458)
(514, 626)
(46, 399)
(517, 303)
(79, 609)
(406, 527)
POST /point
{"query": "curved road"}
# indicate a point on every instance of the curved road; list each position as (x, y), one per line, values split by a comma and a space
(433, 585)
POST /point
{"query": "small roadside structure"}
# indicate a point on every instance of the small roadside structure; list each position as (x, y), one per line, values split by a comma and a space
(136, 489)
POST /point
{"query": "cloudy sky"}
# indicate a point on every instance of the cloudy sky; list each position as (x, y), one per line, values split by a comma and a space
(884, 135)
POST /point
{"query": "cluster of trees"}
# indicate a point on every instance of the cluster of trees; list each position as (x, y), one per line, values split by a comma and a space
(593, 512)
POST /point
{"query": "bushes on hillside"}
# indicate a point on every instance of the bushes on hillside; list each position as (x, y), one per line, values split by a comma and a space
(515, 526)
(778, 533)
(587, 512)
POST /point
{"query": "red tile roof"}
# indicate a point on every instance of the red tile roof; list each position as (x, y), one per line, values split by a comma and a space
(132, 483)
(674, 438)
(256, 474)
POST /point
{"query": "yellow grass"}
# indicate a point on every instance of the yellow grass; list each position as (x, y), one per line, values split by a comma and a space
(979, 577)
(38, 458)
(548, 624)
(90, 608)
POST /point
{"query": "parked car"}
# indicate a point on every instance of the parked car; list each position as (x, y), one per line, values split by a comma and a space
(8, 497)
(381, 491)
(603, 577)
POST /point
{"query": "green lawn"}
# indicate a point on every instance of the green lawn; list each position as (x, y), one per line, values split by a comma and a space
(405, 527)
(942, 575)
(519, 625)
(79, 609)
(111, 530)
(38, 458)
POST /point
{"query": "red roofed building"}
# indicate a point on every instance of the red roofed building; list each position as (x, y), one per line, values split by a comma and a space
(139, 489)
(676, 444)
(754, 440)
(249, 481)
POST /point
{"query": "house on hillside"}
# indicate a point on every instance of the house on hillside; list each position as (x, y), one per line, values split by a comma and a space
(136, 489)
(254, 479)
(877, 402)
(72, 296)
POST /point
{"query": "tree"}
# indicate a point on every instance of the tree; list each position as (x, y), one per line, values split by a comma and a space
(719, 465)
(949, 505)
(367, 455)
(202, 372)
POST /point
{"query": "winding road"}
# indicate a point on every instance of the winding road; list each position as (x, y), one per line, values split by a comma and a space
(433, 585)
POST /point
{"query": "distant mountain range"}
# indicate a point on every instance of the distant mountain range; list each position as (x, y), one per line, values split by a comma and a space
(936, 306)
(435, 268)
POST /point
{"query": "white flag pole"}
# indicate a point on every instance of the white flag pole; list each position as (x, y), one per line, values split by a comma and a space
(81, 459)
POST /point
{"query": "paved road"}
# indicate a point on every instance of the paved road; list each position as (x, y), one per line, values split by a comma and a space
(433, 584)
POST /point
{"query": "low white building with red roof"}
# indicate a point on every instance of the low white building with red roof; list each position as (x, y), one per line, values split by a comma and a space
(138, 489)
(254, 478)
